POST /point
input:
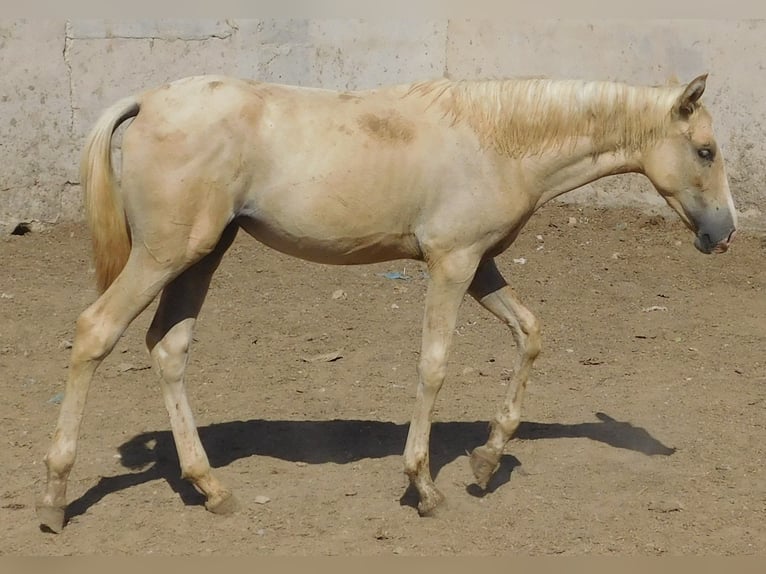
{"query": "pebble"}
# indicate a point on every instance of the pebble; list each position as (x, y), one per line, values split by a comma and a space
(338, 294)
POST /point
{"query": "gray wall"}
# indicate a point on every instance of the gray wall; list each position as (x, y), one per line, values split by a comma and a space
(57, 76)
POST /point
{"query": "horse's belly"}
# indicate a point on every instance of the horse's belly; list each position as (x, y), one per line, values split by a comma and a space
(333, 247)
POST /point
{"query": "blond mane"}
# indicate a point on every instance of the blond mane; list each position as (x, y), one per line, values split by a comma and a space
(521, 117)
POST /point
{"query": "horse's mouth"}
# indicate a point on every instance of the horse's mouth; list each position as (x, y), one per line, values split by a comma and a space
(705, 244)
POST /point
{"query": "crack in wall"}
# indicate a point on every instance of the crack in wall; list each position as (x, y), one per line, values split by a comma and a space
(164, 38)
(446, 47)
(70, 76)
(178, 36)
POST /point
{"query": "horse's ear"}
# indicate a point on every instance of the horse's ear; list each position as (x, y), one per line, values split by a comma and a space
(693, 92)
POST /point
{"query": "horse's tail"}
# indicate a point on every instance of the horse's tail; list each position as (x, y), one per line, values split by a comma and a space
(103, 203)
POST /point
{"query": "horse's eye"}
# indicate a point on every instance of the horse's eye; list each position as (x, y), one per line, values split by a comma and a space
(705, 153)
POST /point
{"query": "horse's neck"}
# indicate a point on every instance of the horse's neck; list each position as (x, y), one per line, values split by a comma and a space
(566, 133)
(556, 172)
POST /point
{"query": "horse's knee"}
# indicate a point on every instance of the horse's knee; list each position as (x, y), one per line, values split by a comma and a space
(432, 369)
(170, 351)
(528, 334)
(530, 326)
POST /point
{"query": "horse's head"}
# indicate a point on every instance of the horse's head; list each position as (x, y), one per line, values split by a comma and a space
(687, 168)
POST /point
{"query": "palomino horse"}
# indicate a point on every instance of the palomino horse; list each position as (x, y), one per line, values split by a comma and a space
(445, 172)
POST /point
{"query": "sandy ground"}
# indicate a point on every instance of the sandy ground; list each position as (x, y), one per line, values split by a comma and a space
(644, 425)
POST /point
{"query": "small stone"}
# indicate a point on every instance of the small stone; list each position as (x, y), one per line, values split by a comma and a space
(338, 294)
(654, 308)
(261, 499)
(323, 357)
(573, 221)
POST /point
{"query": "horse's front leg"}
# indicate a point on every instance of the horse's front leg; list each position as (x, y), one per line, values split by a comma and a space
(493, 293)
(449, 279)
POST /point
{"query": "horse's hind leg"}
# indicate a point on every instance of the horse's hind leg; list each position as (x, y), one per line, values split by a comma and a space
(98, 329)
(168, 340)
(492, 292)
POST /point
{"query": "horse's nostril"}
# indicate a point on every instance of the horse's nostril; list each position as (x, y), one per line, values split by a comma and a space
(732, 235)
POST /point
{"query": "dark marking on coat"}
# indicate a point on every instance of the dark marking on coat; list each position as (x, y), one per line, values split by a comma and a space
(391, 128)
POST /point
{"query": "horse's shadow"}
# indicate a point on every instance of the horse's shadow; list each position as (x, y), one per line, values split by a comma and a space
(341, 442)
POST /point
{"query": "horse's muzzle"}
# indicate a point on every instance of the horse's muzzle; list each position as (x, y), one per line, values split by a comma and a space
(707, 244)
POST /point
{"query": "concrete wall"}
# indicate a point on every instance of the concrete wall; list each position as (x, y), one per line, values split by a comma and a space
(57, 76)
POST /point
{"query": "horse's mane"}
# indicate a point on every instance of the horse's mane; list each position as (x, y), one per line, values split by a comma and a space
(521, 117)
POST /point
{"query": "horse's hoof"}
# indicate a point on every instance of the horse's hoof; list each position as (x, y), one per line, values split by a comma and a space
(51, 517)
(224, 504)
(483, 464)
(430, 503)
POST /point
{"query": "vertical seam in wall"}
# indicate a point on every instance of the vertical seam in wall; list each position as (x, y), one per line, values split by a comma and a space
(445, 73)
(68, 65)
(70, 78)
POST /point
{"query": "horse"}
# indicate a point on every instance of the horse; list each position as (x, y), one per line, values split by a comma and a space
(445, 172)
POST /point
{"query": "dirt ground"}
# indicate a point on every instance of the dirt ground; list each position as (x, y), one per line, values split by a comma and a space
(644, 426)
